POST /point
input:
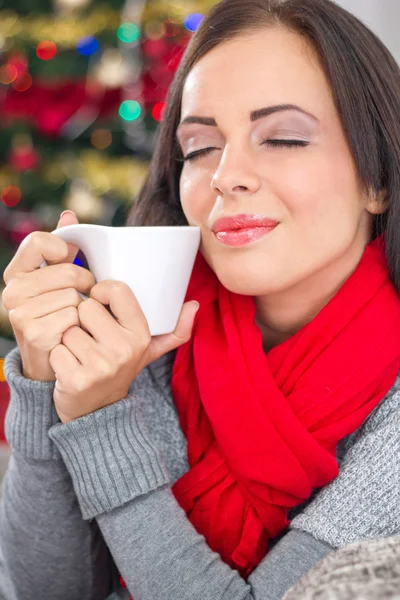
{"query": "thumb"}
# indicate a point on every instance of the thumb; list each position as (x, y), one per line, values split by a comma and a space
(69, 218)
(161, 344)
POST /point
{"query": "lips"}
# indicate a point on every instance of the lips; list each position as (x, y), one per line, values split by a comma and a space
(241, 230)
(243, 221)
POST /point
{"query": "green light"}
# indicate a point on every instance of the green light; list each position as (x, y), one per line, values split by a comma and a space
(130, 110)
(128, 32)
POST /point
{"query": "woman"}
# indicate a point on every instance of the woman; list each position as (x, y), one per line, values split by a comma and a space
(224, 460)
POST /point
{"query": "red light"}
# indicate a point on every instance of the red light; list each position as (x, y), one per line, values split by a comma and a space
(158, 111)
(22, 83)
(8, 74)
(19, 61)
(11, 195)
(46, 50)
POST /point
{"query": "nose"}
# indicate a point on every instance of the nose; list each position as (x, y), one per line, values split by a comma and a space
(236, 174)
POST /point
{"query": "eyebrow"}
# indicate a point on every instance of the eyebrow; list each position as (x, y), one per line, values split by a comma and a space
(254, 115)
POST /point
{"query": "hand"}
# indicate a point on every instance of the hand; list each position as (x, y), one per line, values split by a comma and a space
(95, 364)
(42, 303)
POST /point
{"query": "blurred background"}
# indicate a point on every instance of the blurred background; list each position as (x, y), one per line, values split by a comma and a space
(82, 91)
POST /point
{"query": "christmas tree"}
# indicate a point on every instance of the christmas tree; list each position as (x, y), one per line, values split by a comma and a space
(82, 92)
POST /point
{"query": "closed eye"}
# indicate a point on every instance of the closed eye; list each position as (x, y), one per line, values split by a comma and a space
(271, 142)
(197, 154)
(287, 143)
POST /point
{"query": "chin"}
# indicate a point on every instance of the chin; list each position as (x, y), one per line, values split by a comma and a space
(245, 281)
(247, 287)
(244, 275)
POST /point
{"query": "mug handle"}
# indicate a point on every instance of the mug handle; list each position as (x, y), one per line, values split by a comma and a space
(83, 296)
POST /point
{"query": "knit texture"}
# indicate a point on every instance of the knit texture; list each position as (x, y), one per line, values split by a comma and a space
(365, 570)
(134, 466)
(367, 493)
(31, 412)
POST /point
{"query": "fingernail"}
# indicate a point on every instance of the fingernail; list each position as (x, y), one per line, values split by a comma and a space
(67, 212)
(195, 303)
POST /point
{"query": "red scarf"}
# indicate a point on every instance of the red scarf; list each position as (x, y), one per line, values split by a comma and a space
(262, 430)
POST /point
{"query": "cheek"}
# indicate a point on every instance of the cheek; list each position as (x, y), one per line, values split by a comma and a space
(195, 195)
(322, 189)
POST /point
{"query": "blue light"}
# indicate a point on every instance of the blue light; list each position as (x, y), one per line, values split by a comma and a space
(87, 46)
(193, 21)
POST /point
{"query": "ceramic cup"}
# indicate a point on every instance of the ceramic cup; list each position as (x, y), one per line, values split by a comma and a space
(155, 262)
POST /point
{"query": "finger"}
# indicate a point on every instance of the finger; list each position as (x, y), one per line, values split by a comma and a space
(67, 218)
(45, 304)
(46, 332)
(42, 281)
(123, 304)
(36, 247)
(63, 363)
(97, 320)
(161, 344)
(39, 246)
(83, 347)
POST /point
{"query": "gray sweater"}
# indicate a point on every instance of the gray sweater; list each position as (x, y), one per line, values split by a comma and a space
(365, 570)
(85, 501)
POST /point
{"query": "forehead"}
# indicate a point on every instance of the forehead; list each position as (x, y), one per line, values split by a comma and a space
(271, 66)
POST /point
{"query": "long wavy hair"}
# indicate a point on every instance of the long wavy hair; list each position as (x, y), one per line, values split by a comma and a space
(365, 81)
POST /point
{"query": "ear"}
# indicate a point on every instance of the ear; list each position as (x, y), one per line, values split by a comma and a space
(377, 203)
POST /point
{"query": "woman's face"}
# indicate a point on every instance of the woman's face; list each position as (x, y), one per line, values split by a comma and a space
(310, 187)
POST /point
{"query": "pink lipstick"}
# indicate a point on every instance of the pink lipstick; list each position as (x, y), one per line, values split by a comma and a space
(242, 229)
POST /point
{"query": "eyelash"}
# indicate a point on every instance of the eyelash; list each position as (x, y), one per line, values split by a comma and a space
(275, 143)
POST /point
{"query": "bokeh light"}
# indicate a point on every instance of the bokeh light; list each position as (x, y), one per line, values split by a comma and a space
(22, 83)
(128, 32)
(192, 21)
(158, 111)
(130, 110)
(46, 50)
(19, 61)
(11, 195)
(8, 74)
(101, 138)
(87, 46)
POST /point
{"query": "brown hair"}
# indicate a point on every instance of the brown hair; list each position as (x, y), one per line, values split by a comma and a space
(365, 81)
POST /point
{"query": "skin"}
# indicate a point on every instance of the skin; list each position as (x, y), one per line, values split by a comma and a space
(325, 218)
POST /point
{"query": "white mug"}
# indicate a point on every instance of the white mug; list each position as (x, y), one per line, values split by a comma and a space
(155, 262)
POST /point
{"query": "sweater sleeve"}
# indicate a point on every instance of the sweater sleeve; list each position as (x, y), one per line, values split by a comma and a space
(47, 550)
(363, 502)
(122, 480)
